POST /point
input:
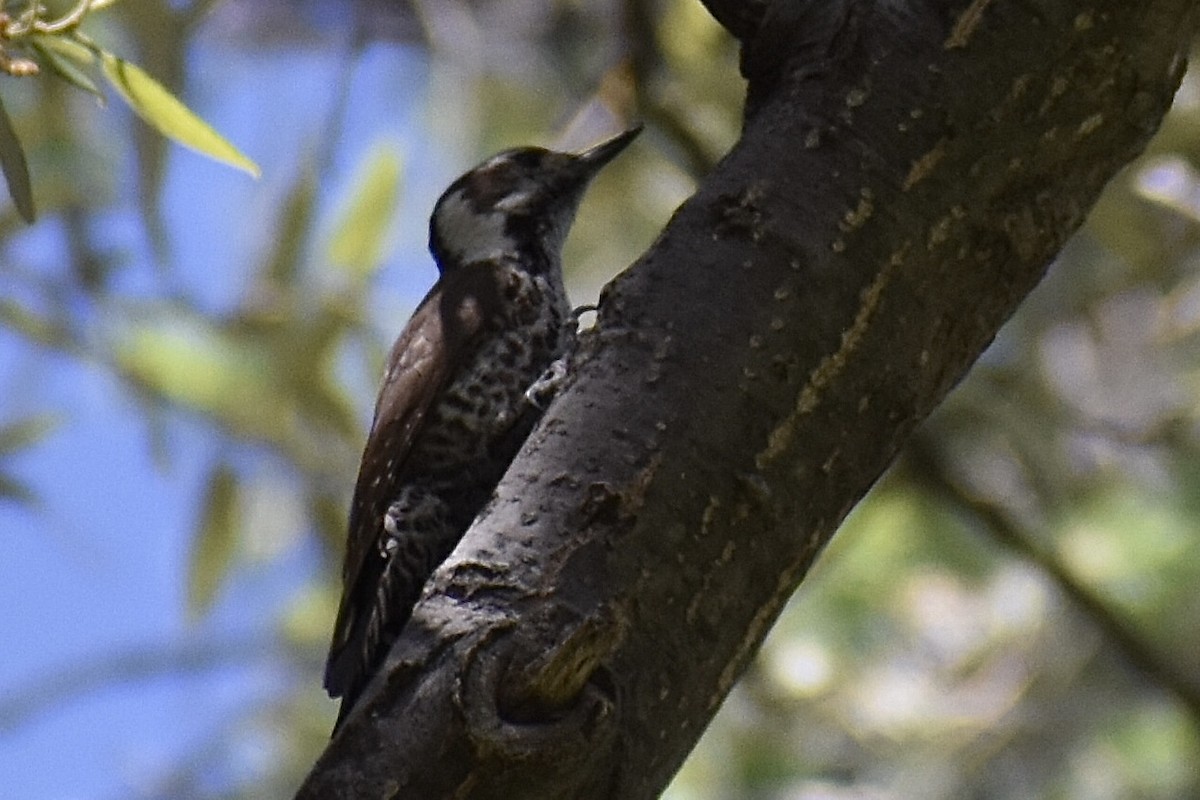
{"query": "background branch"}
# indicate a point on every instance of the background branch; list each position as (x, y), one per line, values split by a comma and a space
(936, 476)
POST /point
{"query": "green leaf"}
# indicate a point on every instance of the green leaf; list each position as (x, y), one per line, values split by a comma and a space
(14, 490)
(216, 541)
(26, 432)
(153, 103)
(16, 170)
(188, 360)
(360, 240)
(64, 57)
(66, 46)
(39, 329)
(295, 219)
(328, 512)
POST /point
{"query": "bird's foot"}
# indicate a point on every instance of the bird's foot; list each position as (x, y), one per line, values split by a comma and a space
(543, 390)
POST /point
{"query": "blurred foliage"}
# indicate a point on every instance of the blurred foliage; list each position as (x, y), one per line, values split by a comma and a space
(14, 437)
(360, 241)
(1010, 614)
(33, 39)
(215, 541)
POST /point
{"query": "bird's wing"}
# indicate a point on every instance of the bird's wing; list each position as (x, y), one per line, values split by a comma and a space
(444, 326)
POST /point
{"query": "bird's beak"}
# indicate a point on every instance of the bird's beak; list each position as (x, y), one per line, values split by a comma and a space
(578, 169)
(597, 156)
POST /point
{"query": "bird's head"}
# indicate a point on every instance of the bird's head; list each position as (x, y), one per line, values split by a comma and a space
(518, 203)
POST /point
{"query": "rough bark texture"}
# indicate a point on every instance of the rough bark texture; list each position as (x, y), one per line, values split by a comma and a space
(905, 175)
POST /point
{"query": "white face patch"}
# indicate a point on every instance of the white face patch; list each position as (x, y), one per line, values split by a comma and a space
(516, 200)
(469, 235)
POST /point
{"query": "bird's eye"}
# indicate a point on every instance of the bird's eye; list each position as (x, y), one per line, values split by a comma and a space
(528, 159)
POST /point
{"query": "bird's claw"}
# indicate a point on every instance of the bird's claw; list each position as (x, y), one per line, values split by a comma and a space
(543, 390)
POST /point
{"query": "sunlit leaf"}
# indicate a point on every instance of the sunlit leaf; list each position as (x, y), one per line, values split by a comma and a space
(172, 118)
(205, 368)
(360, 239)
(26, 432)
(64, 57)
(16, 170)
(216, 541)
(66, 47)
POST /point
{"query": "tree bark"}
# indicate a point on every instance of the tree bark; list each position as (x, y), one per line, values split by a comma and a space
(905, 175)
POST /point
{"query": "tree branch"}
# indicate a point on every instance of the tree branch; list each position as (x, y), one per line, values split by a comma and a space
(931, 472)
(888, 206)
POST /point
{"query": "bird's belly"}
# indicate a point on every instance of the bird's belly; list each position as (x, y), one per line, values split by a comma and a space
(486, 398)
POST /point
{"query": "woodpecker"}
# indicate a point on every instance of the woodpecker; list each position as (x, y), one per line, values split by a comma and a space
(465, 382)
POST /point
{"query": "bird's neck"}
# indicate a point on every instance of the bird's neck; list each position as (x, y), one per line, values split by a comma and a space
(464, 235)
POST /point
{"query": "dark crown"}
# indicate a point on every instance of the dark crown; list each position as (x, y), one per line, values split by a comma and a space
(519, 203)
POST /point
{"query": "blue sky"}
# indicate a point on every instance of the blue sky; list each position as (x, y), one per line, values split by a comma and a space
(95, 571)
